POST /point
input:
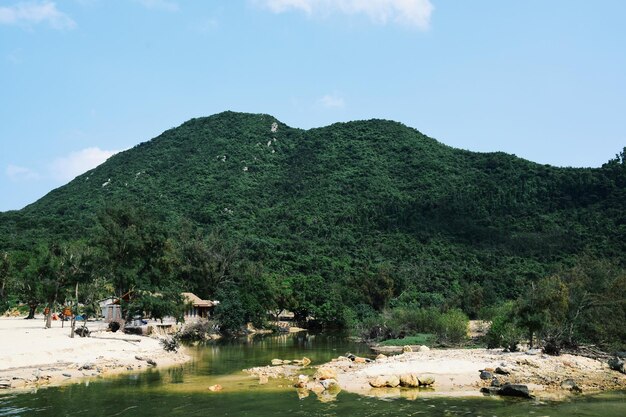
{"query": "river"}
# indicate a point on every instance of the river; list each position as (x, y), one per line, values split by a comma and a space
(183, 391)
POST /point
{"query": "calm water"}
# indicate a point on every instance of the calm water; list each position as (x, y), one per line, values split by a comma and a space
(183, 391)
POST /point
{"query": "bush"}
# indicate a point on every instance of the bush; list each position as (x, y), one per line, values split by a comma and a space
(503, 331)
(197, 331)
(452, 326)
(399, 323)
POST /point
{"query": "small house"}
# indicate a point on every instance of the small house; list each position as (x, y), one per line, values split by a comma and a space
(196, 308)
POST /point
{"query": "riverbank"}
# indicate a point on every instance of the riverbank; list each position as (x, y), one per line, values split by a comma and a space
(457, 373)
(32, 356)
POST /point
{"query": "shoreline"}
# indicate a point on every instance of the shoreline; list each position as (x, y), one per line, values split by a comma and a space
(456, 373)
(33, 357)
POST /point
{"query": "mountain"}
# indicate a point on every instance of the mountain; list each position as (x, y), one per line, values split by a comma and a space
(352, 203)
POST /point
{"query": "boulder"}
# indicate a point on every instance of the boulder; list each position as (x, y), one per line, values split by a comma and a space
(486, 375)
(617, 364)
(306, 361)
(378, 382)
(427, 381)
(502, 371)
(277, 362)
(570, 384)
(423, 349)
(330, 384)
(215, 388)
(409, 381)
(508, 390)
(151, 362)
(326, 372)
(393, 381)
(514, 390)
(381, 357)
(302, 381)
(495, 382)
(359, 359)
(407, 348)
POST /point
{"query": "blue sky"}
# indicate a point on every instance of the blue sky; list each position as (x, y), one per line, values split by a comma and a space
(82, 79)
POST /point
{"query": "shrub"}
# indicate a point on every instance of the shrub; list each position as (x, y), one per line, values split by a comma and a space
(503, 331)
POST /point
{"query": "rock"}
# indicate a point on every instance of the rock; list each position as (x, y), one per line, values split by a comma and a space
(263, 379)
(381, 356)
(495, 382)
(5, 384)
(286, 362)
(139, 358)
(486, 375)
(151, 362)
(409, 381)
(514, 390)
(343, 359)
(302, 381)
(86, 367)
(378, 382)
(617, 364)
(490, 390)
(359, 359)
(407, 348)
(570, 385)
(306, 361)
(329, 384)
(427, 381)
(326, 372)
(276, 362)
(67, 375)
(215, 388)
(423, 349)
(502, 371)
(393, 381)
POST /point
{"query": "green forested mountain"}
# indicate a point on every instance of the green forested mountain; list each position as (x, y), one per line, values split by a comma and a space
(366, 213)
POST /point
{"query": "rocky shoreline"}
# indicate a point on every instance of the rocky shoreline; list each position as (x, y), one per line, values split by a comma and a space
(451, 372)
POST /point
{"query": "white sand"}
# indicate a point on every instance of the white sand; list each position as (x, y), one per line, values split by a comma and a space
(456, 372)
(31, 355)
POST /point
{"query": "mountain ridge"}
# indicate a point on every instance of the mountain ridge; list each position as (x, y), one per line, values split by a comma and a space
(349, 199)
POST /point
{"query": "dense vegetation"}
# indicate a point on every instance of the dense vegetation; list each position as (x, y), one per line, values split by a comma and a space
(337, 223)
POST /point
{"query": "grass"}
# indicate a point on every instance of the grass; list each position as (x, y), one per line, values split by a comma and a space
(417, 339)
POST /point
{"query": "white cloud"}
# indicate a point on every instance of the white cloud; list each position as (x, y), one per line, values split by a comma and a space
(27, 13)
(18, 173)
(332, 101)
(406, 12)
(165, 5)
(68, 167)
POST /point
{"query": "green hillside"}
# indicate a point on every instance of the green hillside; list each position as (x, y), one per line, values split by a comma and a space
(369, 213)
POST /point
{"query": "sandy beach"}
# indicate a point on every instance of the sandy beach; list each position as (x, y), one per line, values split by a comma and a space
(32, 356)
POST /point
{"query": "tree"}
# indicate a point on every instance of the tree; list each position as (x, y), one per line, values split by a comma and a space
(5, 278)
(134, 251)
(544, 307)
(206, 262)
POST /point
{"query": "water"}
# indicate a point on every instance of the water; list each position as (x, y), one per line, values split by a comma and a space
(183, 391)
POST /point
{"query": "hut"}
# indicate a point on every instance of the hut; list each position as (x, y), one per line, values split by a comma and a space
(197, 308)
